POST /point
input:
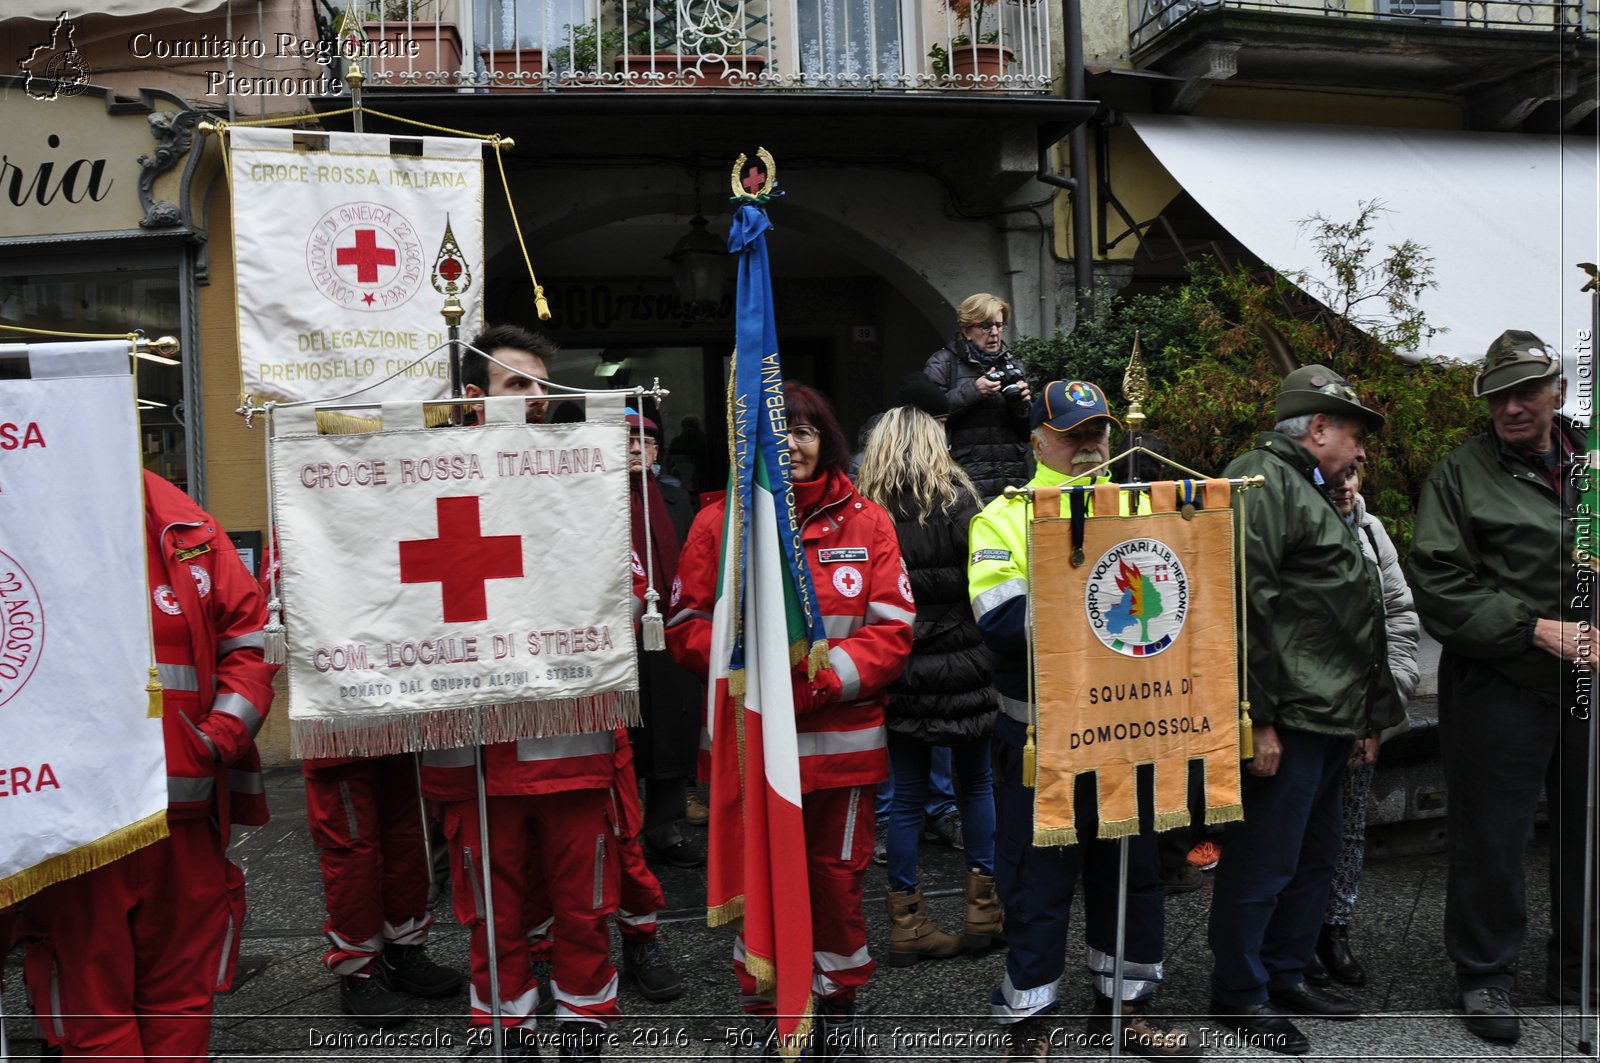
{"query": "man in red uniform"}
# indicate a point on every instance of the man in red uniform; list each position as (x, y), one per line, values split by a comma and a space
(549, 816)
(366, 818)
(132, 952)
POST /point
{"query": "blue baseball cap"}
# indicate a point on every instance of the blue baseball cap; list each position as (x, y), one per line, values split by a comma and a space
(1065, 404)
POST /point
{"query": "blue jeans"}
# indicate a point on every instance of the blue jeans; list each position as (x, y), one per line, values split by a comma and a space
(941, 791)
(1272, 885)
(910, 763)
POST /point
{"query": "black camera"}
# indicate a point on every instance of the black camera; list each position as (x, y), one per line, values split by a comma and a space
(1010, 376)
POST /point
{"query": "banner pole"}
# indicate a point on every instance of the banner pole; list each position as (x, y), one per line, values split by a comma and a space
(488, 899)
(1135, 385)
(1591, 495)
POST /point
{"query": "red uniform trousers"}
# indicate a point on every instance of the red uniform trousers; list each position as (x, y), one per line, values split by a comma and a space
(366, 819)
(839, 824)
(562, 841)
(639, 898)
(98, 970)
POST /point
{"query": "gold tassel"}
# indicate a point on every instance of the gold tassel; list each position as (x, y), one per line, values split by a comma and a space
(1030, 760)
(541, 307)
(275, 640)
(818, 659)
(152, 689)
(1247, 736)
(652, 628)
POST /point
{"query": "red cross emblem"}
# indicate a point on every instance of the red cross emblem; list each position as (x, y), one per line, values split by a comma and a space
(461, 560)
(450, 269)
(753, 179)
(366, 256)
(847, 580)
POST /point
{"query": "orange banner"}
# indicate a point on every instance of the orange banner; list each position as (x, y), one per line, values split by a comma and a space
(1135, 659)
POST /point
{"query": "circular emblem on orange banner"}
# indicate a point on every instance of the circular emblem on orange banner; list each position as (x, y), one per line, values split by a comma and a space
(1137, 597)
(21, 628)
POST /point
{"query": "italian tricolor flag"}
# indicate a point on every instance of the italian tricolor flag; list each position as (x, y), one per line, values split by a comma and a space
(764, 623)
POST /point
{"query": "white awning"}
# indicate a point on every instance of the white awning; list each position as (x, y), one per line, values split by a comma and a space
(1505, 216)
(48, 10)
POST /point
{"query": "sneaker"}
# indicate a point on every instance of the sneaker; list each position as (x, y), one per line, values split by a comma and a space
(1143, 1034)
(696, 814)
(651, 971)
(368, 999)
(1185, 878)
(1030, 1038)
(1205, 856)
(411, 971)
(1490, 1014)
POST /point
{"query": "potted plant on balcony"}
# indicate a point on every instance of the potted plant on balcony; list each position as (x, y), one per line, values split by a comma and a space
(512, 66)
(672, 57)
(981, 64)
(411, 45)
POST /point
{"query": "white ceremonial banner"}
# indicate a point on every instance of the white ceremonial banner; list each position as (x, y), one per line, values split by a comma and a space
(453, 586)
(336, 252)
(82, 764)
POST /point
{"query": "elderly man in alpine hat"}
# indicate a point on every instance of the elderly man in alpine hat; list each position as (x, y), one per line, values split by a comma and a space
(1317, 685)
(1499, 585)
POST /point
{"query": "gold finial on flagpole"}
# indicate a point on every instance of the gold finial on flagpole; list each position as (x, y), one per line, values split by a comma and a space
(1135, 387)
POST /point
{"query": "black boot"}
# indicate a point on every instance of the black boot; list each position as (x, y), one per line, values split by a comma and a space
(368, 998)
(1315, 973)
(411, 971)
(581, 1041)
(839, 1036)
(1333, 949)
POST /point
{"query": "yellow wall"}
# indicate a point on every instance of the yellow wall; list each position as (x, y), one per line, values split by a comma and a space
(236, 484)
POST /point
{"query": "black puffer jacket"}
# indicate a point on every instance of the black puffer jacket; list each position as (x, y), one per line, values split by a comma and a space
(988, 434)
(943, 696)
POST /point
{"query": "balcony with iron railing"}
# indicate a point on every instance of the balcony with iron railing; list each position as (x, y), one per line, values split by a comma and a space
(1148, 20)
(561, 46)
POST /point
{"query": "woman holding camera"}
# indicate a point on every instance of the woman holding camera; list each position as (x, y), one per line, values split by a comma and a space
(988, 395)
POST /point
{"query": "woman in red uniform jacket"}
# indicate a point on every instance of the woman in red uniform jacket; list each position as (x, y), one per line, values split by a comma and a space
(867, 610)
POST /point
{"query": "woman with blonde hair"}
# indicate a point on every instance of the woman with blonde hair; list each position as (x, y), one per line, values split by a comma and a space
(944, 697)
(987, 391)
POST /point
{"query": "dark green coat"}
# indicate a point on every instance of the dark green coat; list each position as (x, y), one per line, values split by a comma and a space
(1492, 553)
(1317, 649)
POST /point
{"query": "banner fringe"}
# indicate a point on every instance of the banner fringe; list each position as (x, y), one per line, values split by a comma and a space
(790, 1047)
(1052, 836)
(729, 911)
(373, 735)
(764, 971)
(736, 685)
(1223, 813)
(818, 659)
(1171, 820)
(84, 858)
(1119, 828)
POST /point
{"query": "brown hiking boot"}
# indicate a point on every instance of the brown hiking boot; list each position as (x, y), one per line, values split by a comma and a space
(912, 935)
(1143, 1033)
(983, 928)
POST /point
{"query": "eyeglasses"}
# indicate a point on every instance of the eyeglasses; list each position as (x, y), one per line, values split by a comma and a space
(804, 433)
(989, 326)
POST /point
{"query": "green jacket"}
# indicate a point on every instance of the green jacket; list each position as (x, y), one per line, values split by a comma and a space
(1317, 649)
(1492, 553)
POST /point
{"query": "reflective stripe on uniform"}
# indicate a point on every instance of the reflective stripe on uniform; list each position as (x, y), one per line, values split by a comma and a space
(878, 612)
(516, 1011)
(824, 743)
(239, 707)
(558, 747)
(352, 824)
(1139, 980)
(1017, 710)
(1020, 1003)
(841, 627)
(845, 668)
(607, 994)
(683, 615)
(998, 596)
(850, 823)
(184, 789)
(250, 640)
(178, 677)
(245, 782)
